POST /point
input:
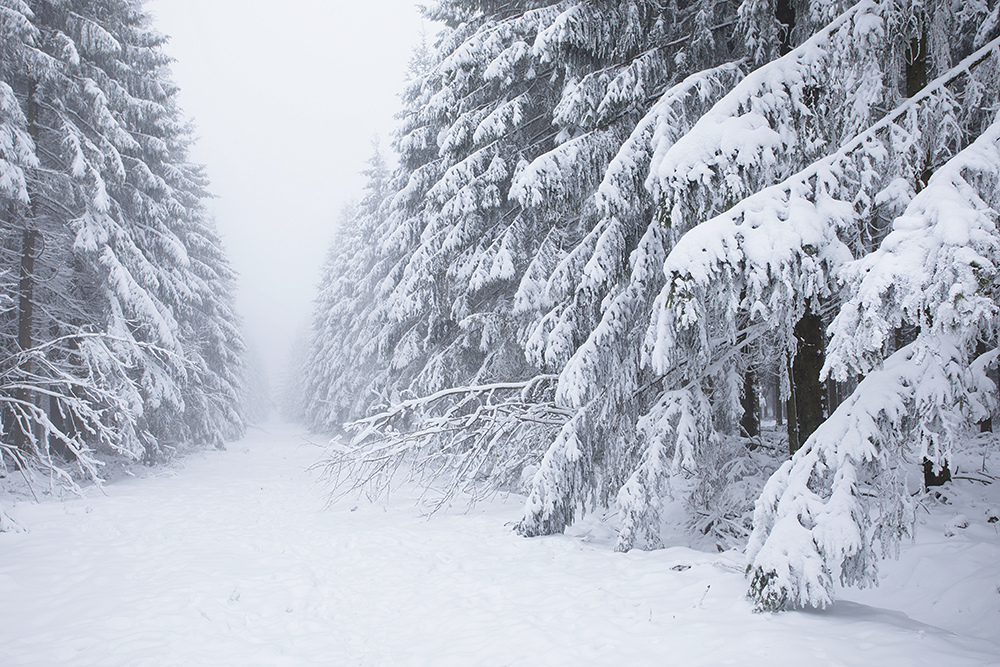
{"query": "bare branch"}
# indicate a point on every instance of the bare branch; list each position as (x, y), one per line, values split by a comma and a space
(466, 440)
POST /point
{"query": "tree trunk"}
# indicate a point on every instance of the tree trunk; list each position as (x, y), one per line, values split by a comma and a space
(916, 65)
(26, 287)
(792, 424)
(985, 426)
(933, 477)
(807, 407)
(25, 317)
(904, 335)
(785, 14)
(916, 80)
(750, 422)
(777, 403)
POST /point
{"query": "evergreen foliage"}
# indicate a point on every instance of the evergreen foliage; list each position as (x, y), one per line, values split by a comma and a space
(117, 329)
(846, 490)
(666, 205)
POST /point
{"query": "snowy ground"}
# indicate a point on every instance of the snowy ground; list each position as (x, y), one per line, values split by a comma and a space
(230, 558)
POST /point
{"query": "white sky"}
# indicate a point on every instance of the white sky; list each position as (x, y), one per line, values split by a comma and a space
(286, 97)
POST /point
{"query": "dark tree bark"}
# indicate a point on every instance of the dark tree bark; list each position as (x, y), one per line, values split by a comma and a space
(916, 80)
(904, 335)
(785, 14)
(750, 422)
(807, 405)
(791, 422)
(916, 66)
(778, 406)
(935, 478)
(26, 284)
(25, 319)
(985, 426)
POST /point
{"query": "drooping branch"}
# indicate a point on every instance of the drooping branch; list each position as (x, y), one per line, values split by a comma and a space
(472, 440)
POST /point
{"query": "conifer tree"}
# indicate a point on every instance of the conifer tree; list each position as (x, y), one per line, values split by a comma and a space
(935, 271)
(668, 206)
(689, 345)
(123, 335)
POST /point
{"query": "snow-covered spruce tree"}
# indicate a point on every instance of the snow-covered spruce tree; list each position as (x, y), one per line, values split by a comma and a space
(843, 500)
(753, 274)
(346, 360)
(603, 379)
(370, 330)
(508, 139)
(179, 261)
(124, 331)
(725, 297)
(338, 364)
(259, 399)
(216, 387)
(646, 145)
(628, 460)
(488, 105)
(387, 326)
(55, 386)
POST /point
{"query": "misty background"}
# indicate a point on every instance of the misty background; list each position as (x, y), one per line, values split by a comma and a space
(286, 104)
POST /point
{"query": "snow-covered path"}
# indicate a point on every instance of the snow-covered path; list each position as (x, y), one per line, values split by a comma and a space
(231, 559)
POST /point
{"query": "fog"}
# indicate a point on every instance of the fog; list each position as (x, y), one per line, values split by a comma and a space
(286, 98)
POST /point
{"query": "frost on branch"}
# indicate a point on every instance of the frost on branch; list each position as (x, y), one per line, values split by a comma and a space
(94, 407)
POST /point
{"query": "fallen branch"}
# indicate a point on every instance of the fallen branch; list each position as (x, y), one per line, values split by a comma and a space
(475, 441)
